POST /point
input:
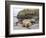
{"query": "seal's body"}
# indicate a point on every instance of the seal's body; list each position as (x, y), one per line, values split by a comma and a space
(27, 23)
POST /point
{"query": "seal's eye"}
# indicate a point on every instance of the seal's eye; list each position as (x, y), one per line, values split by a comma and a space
(32, 22)
(23, 25)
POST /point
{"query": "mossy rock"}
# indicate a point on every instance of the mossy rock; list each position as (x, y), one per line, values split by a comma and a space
(27, 13)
